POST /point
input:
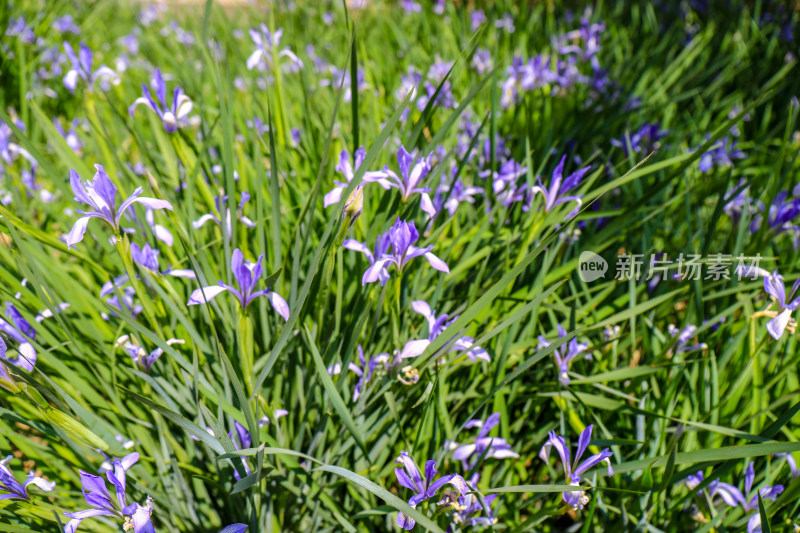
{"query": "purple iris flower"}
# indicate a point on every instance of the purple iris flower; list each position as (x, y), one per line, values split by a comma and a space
(364, 370)
(409, 6)
(781, 215)
(221, 203)
(413, 172)
(140, 357)
(470, 505)
(484, 446)
(11, 488)
(564, 358)
(477, 18)
(266, 42)
(247, 275)
(244, 439)
(645, 139)
(573, 470)
(348, 170)
(437, 325)
(70, 136)
(82, 69)
(559, 187)
(172, 116)
(459, 192)
(401, 237)
(789, 461)
(381, 247)
(721, 155)
(482, 61)
(747, 501)
(96, 494)
(684, 337)
(66, 24)
(774, 286)
(100, 195)
(21, 332)
(423, 488)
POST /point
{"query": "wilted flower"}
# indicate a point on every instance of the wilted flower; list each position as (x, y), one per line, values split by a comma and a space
(401, 237)
(173, 115)
(11, 488)
(100, 195)
(82, 69)
(246, 275)
(572, 470)
(484, 446)
(423, 488)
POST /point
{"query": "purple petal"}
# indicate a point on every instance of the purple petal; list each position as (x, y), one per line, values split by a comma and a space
(205, 294)
(437, 263)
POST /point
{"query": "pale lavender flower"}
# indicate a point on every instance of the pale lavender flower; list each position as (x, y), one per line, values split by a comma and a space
(482, 61)
(222, 207)
(720, 154)
(71, 135)
(572, 470)
(20, 28)
(789, 461)
(564, 356)
(506, 22)
(246, 275)
(82, 69)
(141, 358)
(556, 194)
(423, 488)
(684, 337)
(476, 18)
(348, 169)
(437, 325)
(364, 370)
(173, 115)
(100, 195)
(484, 445)
(21, 332)
(470, 505)
(11, 488)
(409, 6)
(401, 237)
(748, 500)
(266, 43)
(774, 286)
(645, 139)
(66, 24)
(413, 172)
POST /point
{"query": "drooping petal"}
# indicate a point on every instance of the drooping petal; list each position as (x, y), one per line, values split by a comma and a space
(205, 294)
(777, 325)
(414, 348)
(437, 263)
(279, 304)
(234, 528)
(455, 480)
(42, 483)
(254, 59)
(373, 272)
(595, 459)
(332, 197)
(77, 232)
